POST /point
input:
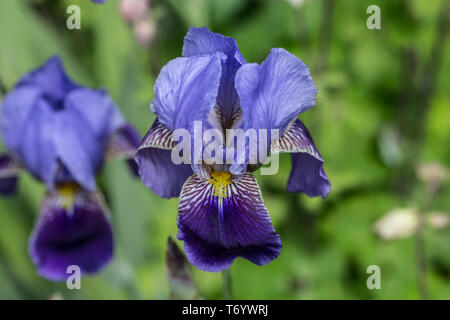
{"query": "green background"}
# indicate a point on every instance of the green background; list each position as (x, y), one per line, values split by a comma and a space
(382, 108)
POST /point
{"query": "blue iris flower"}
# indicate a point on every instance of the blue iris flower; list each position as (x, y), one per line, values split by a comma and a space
(61, 132)
(221, 212)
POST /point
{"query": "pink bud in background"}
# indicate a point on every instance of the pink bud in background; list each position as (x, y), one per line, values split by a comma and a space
(144, 31)
(134, 10)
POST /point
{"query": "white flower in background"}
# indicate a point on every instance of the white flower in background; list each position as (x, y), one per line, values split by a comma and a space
(296, 3)
(134, 10)
(437, 220)
(144, 31)
(433, 174)
(397, 223)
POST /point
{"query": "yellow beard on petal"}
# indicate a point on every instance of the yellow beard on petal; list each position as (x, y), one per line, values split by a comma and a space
(221, 181)
(67, 193)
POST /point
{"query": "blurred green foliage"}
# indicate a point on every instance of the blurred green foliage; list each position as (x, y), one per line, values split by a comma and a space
(370, 82)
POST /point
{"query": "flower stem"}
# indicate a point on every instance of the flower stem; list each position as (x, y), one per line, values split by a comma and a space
(227, 292)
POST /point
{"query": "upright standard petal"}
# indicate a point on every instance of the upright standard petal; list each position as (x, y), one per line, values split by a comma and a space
(307, 173)
(82, 130)
(72, 229)
(200, 41)
(186, 90)
(156, 168)
(77, 148)
(52, 80)
(8, 175)
(274, 93)
(221, 219)
(27, 126)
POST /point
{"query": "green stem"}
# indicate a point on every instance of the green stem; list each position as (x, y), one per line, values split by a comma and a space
(421, 264)
(227, 292)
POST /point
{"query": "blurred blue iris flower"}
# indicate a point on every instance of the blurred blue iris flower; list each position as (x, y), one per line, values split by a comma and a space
(61, 133)
(221, 212)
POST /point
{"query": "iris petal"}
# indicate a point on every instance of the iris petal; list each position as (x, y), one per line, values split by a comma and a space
(82, 130)
(221, 219)
(274, 93)
(51, 79)
(307, 174)
(124, 144)
(71, 232)
(199, 41)
(156, 168)
(186, 90)
(8, 175)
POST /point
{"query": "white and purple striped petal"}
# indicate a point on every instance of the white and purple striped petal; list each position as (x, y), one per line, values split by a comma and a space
(156, 168)
(307, 174)
(220, 220)
(73, 229)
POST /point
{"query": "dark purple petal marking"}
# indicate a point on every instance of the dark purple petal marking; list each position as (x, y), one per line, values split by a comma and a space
(221, 219)
(9, 171)
(73, 229)
(200, 41)
(307, 174)
(156, 168)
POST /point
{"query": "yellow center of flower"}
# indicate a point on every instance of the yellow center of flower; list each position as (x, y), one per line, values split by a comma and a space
(67, 193)
(221, 181)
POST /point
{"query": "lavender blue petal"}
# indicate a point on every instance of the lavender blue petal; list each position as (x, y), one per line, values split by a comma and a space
(199, 41)
(307, 174)
(78, 235)
(217, 230)
(186, 90)
(27, 127)
(156, 168)
(274, 93)
(52, 80)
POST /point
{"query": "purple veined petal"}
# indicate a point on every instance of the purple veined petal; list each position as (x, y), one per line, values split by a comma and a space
(27, 125)
(307, 174)
(156, 168)
(220, 220)
(51, 79)
(186, 90)
(9, 171)
(200, 41)
(274, 93)
(98, 1)
(124, 144)
(72, 229)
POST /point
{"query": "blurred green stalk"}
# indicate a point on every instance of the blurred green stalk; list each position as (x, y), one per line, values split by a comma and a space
(227, 292)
